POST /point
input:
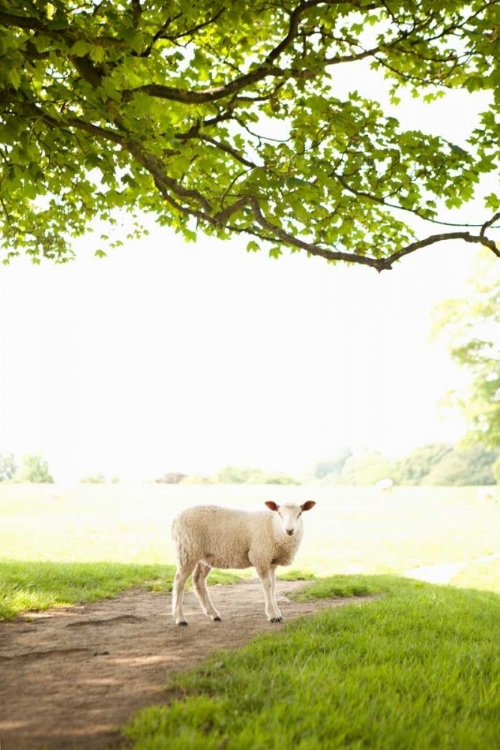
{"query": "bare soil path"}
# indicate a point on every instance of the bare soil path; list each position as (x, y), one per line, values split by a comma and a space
(70, 678)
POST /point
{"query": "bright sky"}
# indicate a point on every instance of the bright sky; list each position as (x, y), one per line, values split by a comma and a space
(173, 357)
(166, 357)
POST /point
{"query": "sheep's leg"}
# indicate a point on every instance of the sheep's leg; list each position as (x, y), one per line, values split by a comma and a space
(273, 593)
(267, 578)
(200, 587)
(181, 575)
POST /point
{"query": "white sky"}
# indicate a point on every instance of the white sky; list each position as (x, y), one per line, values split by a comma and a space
(173, 357)
(169, 357)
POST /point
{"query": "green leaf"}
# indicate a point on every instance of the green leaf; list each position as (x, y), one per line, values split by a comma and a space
(275, 252)
(81, 48)
(98, 54)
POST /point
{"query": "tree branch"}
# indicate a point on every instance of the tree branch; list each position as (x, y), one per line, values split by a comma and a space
(22, 22)
(489, 223)
(387, 263)
(208, 95)
(221, 146)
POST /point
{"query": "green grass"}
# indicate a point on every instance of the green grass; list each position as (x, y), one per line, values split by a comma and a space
(31, 586)
(351, 529)
(418, 667)
(40, 585)
(285, 574)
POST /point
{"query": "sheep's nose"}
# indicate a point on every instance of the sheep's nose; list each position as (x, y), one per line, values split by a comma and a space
(289, 532)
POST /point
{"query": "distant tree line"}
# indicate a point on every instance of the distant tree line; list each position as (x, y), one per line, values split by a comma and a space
(435, 464)
(230, 475)
(32, 468)
(438, 464)
(99, 478)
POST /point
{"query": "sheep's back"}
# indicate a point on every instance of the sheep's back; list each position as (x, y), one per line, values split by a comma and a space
(221, 537)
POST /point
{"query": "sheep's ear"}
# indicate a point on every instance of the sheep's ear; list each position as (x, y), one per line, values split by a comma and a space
(308, 505)
(271, 505)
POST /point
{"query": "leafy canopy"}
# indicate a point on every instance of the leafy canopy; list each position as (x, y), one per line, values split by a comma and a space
(222, 118)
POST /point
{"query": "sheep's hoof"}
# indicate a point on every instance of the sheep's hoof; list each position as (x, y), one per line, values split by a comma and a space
(276, 619)
(218, 618)
(182, 622)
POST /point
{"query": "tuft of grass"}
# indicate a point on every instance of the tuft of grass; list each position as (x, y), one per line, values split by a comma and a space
(295, 575)
(416, 668)
(222, 576)
(342, 587)
(34, 586)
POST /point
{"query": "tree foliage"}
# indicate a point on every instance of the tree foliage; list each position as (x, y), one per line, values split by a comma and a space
(471, 328)
(97, 478)
(171, 477)
(418, 464)
(432, 464)
(8, 466)
(496, 470)
(470, 466)
(248, 475)
(367, 468)
(330, 469)
(34, 468)
(222, 118)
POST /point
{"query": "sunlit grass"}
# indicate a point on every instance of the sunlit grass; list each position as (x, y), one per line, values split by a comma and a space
(480, 575)
(30, 586)
(416, 668)
(351, 530)
(40, 585)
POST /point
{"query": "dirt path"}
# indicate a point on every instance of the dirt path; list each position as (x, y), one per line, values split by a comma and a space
(69, 679)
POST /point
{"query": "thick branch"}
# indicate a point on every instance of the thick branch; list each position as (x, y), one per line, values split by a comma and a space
(21, 22)
(489, 223)
(381, 264)
(387, 263)
(295, 17)
(155, 168)
(208, 95)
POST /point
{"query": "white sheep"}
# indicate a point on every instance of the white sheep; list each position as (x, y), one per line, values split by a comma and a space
(485, 493)
(208, 536)
(384, 485)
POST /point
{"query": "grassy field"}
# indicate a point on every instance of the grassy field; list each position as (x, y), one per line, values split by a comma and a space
(124, 530)
(416, 668)
(350, 530)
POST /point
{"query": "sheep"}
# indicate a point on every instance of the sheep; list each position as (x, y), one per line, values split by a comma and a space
(209, 536)
(485, 493)
(384, 485)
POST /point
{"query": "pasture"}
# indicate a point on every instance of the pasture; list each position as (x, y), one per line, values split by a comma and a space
(351, 530)
(417, 667)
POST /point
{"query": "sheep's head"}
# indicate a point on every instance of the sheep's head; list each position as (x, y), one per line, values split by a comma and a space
(290, 515)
